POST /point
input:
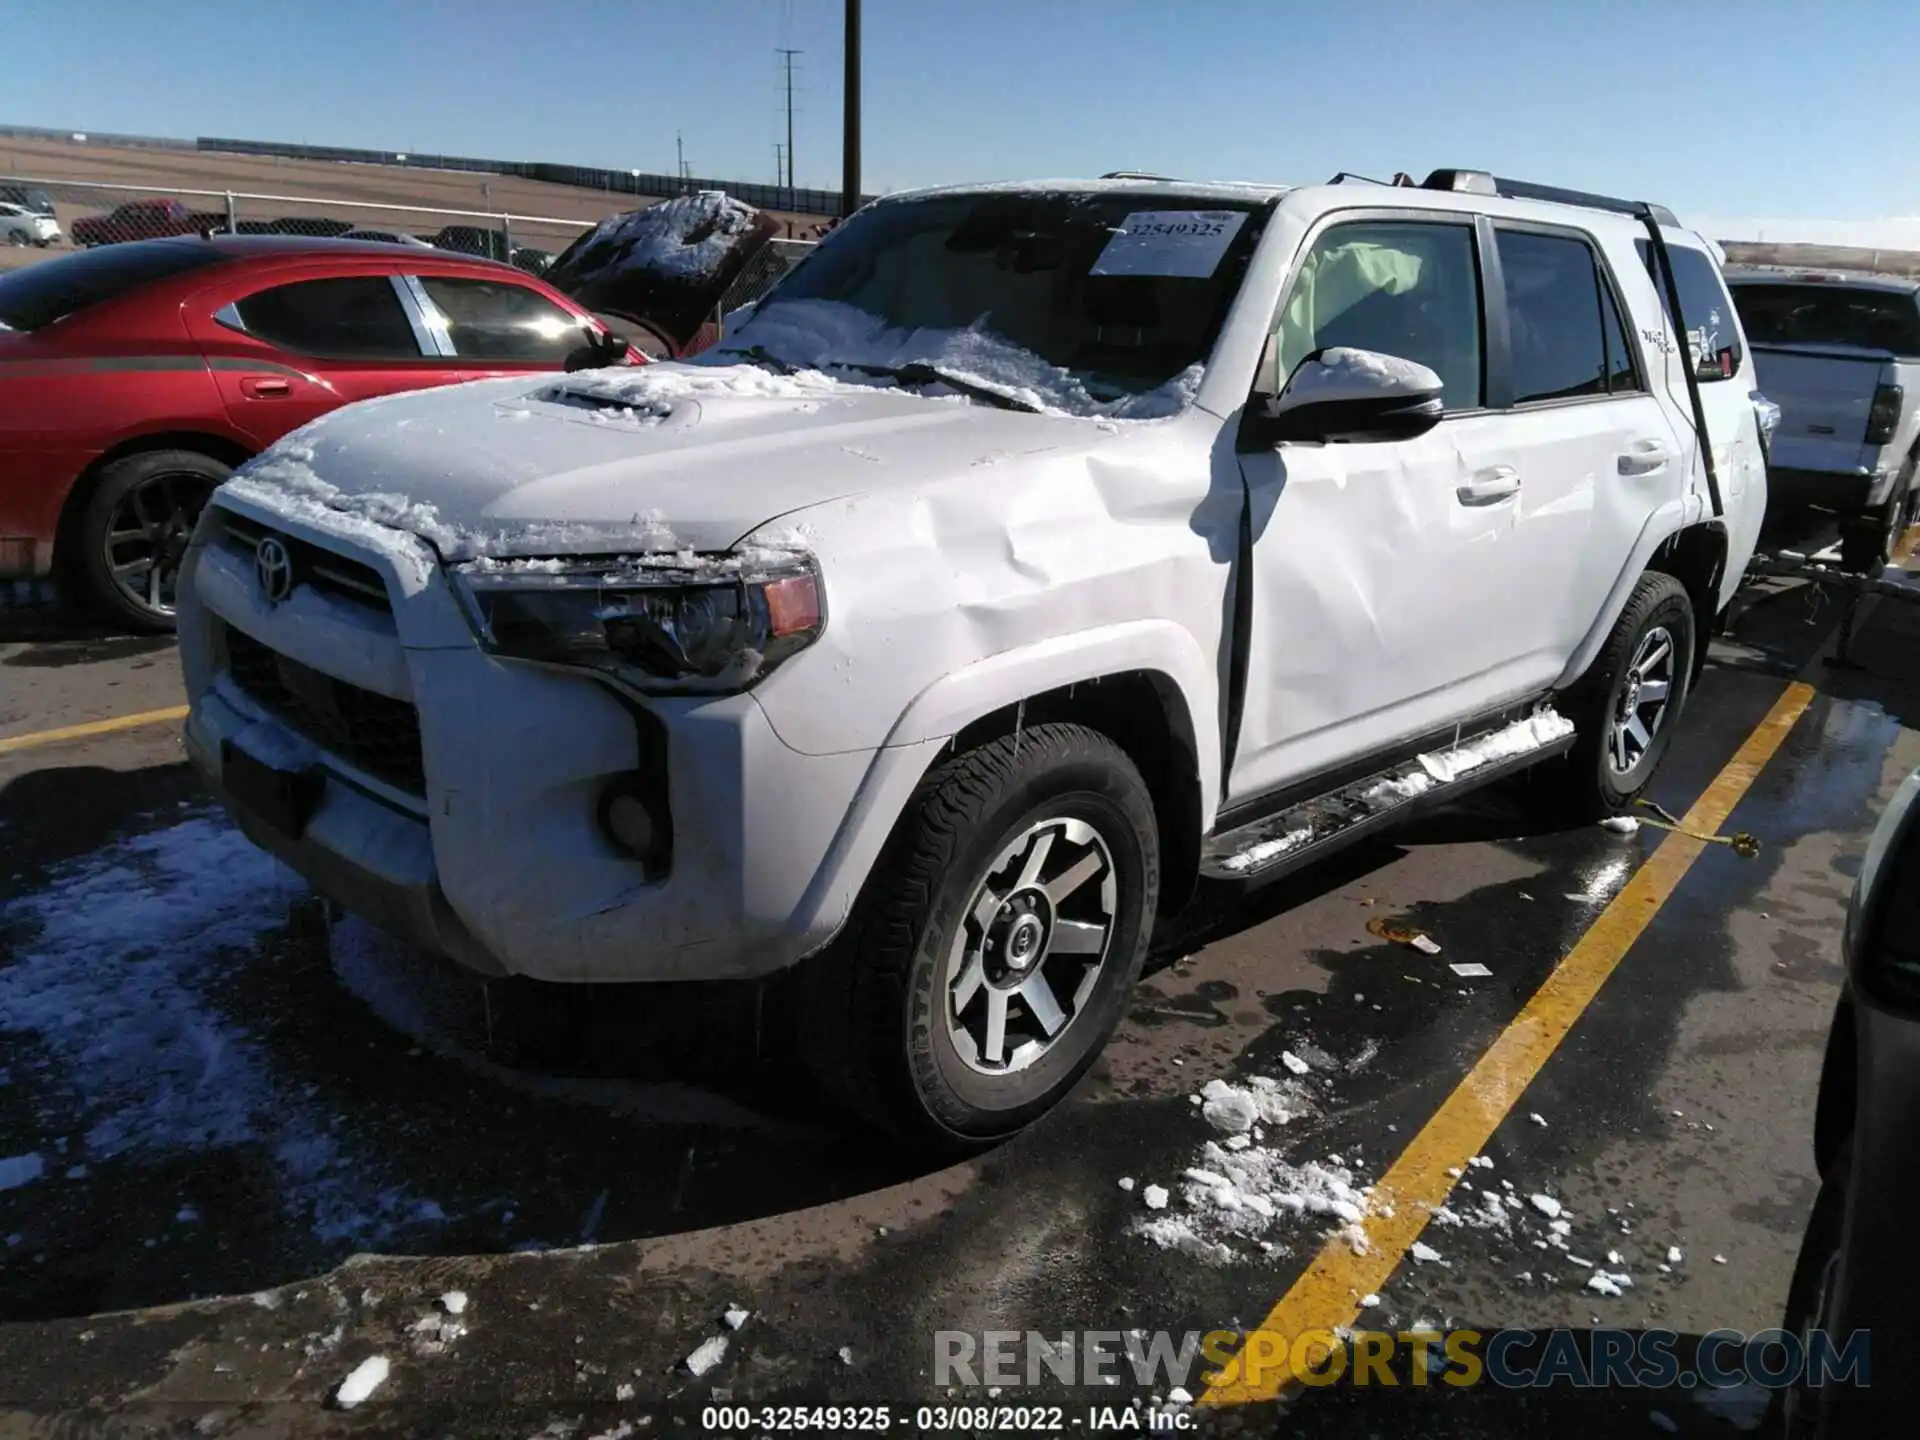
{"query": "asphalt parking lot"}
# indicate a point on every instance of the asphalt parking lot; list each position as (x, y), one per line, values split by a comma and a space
(246, 1143)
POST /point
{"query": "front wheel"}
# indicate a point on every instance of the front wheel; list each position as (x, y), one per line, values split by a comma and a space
(1625, 707)
(992, 952)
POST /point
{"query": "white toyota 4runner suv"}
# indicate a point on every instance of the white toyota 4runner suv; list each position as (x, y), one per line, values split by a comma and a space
(1030, 552)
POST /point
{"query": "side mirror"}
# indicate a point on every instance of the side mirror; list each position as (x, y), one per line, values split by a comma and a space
(1883, 922)
(603, 348)
(1343, 396)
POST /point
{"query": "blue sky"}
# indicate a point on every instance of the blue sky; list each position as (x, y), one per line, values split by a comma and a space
(1761, 108)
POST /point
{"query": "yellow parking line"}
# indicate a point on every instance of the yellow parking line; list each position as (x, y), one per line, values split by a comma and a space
(92, 727)
(1327, 1293)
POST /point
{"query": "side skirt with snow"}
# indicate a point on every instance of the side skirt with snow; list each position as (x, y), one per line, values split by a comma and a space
(1314, 828)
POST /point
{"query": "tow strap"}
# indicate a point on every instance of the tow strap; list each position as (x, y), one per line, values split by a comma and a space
(1744, 845)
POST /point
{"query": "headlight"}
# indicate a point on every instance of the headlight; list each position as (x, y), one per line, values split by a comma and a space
(667, 625)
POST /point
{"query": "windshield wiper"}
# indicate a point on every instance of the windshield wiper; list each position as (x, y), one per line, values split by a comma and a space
(921, 373)
(760, 355)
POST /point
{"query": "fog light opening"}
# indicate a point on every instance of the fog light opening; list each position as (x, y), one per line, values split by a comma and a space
(632, 821)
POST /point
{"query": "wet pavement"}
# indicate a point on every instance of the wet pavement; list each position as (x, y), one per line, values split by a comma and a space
(247, 1143)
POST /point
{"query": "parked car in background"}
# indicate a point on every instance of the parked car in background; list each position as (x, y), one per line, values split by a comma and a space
(21, 226)
(134, 378)
(1840, 354)
(315, 226)
(531, 259)
(144, 220)
(1867, 1151)
(670, 271)
(387, 237)
(472, 240)
(28, 197)
(1027, 554)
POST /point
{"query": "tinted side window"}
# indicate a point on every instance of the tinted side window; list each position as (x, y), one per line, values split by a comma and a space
(1553, 314)
(1410, 289)
(499, 320)
(356, 317)
(1623, 372)
(1713, 336)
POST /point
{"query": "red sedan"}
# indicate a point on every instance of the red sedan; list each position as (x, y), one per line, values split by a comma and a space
(134, 377)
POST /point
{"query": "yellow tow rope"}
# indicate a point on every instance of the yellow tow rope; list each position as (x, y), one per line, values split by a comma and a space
(1744, 845)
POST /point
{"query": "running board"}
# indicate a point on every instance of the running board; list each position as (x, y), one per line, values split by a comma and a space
(1312, 829)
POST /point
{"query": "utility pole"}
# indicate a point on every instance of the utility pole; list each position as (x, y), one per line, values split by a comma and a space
(788, 56)
(779, 170)
(679, 161)
(850, 116)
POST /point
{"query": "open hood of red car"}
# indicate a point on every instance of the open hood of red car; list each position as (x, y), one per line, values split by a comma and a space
(670, 266)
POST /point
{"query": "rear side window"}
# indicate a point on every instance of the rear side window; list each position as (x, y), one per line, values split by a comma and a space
(1829, 315)
(37, 295)
(355, 317)
(499, 320)
(1564, 326)
(1713, 336)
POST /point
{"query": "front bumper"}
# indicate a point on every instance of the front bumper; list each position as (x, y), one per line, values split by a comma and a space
(489, 850)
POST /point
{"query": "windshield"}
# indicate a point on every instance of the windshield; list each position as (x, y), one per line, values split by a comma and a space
(1829, 315)
(41, 294)
(1085, 304)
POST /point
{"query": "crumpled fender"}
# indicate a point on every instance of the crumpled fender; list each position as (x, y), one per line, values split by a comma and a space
(952, 702)
(1661, 525)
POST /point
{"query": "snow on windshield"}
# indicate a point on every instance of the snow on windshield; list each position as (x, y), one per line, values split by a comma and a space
(828, 334)
(687, 237)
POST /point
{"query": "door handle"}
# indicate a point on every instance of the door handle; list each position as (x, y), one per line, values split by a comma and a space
(265, 387)
(1645, 458)
(1490, 486)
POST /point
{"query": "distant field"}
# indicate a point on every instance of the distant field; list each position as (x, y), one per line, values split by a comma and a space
(341, 189)
(1822, 257)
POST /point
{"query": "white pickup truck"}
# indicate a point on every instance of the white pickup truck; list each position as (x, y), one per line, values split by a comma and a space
(1840, 354)
(1030, 552)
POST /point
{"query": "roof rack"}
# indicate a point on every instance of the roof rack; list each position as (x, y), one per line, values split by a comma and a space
(1479, 182)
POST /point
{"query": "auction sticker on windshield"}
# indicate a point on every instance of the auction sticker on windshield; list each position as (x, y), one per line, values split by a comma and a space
(1181, 244)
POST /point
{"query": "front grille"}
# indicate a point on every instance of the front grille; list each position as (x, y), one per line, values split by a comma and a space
(314, 566)
(378, 734)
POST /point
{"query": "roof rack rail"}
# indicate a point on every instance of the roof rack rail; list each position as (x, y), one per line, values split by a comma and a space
(1134, 175)
(1479, 182)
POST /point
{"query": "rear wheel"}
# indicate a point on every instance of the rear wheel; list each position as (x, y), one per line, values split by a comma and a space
(1625, 707)
(992, 953)
(134, 532)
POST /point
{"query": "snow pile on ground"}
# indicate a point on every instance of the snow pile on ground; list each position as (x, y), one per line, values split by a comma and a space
(1347, 374)
(1441, 767)
(107, 997)
(820, 334)
(687, 237)
(18, 1170)
(368, 1376)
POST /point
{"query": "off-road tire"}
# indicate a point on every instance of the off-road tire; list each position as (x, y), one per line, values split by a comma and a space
(1585, 786)
(87, 567)
(871, 1008)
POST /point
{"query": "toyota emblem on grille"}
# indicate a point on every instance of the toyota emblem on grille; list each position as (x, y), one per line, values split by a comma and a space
(273, 567)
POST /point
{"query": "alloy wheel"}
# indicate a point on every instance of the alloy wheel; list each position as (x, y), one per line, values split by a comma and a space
(1644, 698)
(146, 538)
(1034, 939)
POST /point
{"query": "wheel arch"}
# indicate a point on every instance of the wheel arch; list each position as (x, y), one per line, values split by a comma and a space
(1143, 712)
(1694, 552)
(205, 442)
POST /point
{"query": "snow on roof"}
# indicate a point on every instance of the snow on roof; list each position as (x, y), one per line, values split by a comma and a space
(687, 237)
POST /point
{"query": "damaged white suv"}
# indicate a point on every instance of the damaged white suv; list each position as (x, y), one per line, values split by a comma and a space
(1031, 551)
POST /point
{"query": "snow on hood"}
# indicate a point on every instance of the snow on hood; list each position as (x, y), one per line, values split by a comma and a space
(823, 333)
(663, 458)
